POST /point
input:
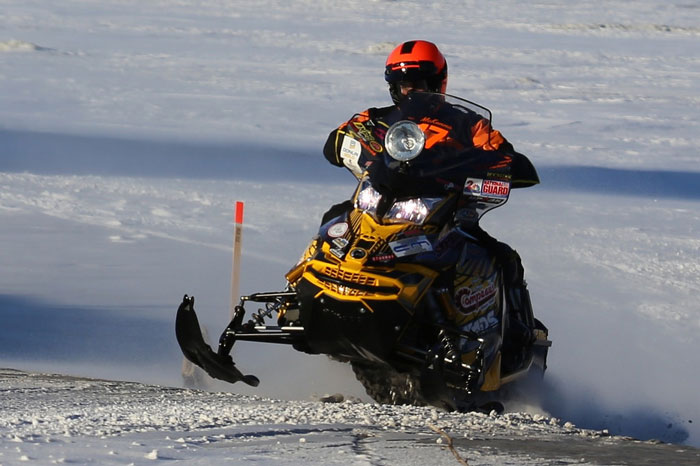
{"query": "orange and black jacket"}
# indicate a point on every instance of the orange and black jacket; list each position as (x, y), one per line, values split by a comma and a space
(482, 137)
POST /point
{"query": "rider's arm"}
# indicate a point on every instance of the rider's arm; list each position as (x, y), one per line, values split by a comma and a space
(486, 138)
(331, 150)
(343, 150)
(343, 147)
(523, 172)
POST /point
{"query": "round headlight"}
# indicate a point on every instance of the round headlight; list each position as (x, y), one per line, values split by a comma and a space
(404, 140)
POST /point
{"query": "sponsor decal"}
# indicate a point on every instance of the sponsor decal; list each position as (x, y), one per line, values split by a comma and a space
(499, 176)
(383, 258)
(375, 146)
(340, 243)
(337, 230)
(470, 300)
(410, 246)
(339, 253)
(473, 186)
(366, 137)
(487, 188)
(350, 153)
(481, 324)
(493, 188)
(363, 132)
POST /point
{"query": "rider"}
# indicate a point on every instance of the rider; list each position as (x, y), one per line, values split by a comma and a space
(418, 65)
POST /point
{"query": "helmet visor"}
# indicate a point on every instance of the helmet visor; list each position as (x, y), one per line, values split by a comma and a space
(410, 71)
(408, 86)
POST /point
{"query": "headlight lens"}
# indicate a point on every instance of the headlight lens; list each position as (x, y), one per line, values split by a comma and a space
(368, 199)
(411, 210)
(404, 141)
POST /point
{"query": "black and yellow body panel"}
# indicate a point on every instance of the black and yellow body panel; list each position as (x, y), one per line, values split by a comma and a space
(354, 306)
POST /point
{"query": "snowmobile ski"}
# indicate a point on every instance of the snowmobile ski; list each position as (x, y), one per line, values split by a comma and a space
(189, 336)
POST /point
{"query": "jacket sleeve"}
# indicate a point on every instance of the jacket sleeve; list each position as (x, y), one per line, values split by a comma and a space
(486, 138)
(522, 171)
(331, 150)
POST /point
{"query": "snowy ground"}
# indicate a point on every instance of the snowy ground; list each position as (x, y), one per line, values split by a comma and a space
(58, 419)
(128, 129)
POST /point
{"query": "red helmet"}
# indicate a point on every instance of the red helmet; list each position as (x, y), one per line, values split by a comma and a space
(415, 61)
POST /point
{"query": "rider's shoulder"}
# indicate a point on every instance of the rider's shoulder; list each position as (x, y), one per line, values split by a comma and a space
(373, 113)
(379, 112)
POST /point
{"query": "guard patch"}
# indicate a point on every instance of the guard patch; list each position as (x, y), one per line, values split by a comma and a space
(487, 188)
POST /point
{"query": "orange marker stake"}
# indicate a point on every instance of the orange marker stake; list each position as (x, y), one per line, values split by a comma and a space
(236, 265)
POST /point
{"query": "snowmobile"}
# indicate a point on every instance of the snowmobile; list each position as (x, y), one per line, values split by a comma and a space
(394, 282)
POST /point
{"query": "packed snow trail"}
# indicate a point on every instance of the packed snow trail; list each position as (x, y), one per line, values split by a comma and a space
(78, 420)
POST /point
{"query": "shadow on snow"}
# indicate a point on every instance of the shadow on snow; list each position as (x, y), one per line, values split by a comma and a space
(62, 154)
(34, 330)
(644, 183)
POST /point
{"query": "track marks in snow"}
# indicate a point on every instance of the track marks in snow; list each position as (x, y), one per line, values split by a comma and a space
(621, 29)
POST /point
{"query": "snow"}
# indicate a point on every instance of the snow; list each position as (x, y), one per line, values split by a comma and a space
(58, 419)
(129, 129)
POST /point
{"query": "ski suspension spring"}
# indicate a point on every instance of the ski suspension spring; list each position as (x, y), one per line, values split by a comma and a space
(474, 371)
(262, 314)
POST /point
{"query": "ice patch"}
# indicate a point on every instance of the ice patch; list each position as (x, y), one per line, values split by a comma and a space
(14, 45)
(159, 212)
(128, 239)
(381, 48)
